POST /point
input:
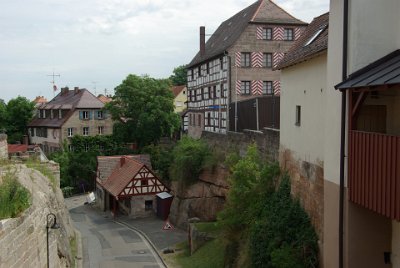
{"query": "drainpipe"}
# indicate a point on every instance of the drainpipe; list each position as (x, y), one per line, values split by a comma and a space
(343, 135)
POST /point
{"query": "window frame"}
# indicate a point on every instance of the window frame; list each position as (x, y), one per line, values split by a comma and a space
(298, 116)
(85, 131)
(100, 130)
(265, 34)
(245, 87)
(70, 132)
(265, 88)
(245, 60)
(286, 36)
(100, 114)
(267, 60)
(85, 113)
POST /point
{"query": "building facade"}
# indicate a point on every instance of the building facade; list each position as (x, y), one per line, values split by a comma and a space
(303, 97)
(70, 113)
(180, 98)
(236, 63)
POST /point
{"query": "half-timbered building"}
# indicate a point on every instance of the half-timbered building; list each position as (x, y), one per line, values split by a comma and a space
(236, 63)
(126, 184)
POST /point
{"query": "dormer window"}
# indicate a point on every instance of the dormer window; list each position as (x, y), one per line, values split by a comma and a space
(43, 113)
(315, 35)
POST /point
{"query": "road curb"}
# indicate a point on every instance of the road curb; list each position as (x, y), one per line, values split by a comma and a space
(145, 237)
(79, 250)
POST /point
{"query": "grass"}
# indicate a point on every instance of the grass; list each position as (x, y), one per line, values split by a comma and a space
(211, 228)
(35, 164)
(209, 255)
(14, 198)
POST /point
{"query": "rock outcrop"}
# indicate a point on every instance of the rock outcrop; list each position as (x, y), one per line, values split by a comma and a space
(23, 239)
(203, 199)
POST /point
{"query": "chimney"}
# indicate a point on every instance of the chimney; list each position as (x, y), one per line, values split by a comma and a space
(25, 139)
(64, 90)
(122, 160)
(202, 41)
(76, 90)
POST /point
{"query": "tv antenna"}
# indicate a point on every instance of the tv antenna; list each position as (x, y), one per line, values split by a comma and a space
(53, 82)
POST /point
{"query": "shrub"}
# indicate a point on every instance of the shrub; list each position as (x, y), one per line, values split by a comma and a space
(161, 159)
(14, 198)
(190, 156)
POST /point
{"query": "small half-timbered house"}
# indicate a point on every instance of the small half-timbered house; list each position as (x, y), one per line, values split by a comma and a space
(127, 185)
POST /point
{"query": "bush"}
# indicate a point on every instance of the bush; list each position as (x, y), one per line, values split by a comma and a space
(190, 156)
(161, 159)
(14, 198)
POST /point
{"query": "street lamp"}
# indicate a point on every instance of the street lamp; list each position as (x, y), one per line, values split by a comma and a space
(51, 226)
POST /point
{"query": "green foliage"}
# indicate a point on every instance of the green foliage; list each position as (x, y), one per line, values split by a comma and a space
(209, 255)
(36, 164)
(263, 227)
(179, 76)
(285, 238)
(15, 116)
(161, 159)
(145, 110)
(14, 198)
(190, 156)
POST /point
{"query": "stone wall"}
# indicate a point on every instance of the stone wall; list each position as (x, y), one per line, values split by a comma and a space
(3, 146)
(23, 239)
(267, 142)
(307, 180)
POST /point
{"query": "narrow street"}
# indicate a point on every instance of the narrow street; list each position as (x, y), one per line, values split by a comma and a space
(106, 243)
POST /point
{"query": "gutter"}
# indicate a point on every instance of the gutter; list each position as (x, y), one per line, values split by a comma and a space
(343, 134)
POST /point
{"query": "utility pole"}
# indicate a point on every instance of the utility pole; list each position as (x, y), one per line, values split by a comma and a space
(52, 81)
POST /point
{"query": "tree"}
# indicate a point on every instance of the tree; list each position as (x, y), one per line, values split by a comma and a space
(3, 116)
(145, 110)
(179, 76)
(19, 113)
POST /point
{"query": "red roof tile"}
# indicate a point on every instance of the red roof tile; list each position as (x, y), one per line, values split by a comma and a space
(317, 33)
(177, 89)
(15, 148)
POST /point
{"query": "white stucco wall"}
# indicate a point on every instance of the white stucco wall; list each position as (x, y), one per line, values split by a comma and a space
(333, 97)
(304, 84)
(373, 31)
(395, 244)
(53, 136)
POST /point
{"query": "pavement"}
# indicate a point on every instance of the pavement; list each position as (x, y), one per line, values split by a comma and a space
(120, 242)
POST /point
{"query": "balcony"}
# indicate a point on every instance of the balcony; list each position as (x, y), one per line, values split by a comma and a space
(374, 172)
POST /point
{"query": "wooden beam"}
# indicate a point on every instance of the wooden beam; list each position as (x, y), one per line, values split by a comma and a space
(360, 100)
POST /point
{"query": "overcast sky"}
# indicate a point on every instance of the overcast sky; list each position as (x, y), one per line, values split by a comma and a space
(97, 43)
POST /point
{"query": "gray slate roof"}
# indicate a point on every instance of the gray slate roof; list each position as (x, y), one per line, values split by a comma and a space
(385, 71)
(230, 30)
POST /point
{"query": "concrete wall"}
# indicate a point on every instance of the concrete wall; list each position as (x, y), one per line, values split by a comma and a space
(305, 85)
(23, 239)
(3, 146)
(396, 244)
(373, 31)
(267, 142)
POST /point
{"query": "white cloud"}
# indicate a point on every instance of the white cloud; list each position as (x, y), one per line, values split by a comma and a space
(104, 40)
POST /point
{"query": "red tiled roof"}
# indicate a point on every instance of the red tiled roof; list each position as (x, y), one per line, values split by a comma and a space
(15, 148)
(104, 99)
(177, 89)
(122, 175)
(107, 164)
(40, 99)
(301, 51)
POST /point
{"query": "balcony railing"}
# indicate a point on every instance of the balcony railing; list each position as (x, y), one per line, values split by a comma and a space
(374, 172)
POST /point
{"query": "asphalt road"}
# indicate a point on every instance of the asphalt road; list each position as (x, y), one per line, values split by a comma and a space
(107, 244)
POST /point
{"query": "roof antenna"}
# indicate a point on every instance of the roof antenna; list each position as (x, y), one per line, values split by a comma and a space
(52, 81)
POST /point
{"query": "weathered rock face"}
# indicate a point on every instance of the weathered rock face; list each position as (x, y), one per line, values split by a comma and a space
(3, 146)
(23, 239)
(203, 199)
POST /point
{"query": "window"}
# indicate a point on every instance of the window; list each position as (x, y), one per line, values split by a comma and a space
(85, 115)
(70, 148)
(100, 130)
(208, 68)
(32, 131)
(246, 59)
(144, 182)
(208, 123)
(148, 205)
(199, 120)
(221, 63)
(70, 131)
(86, 147)
(99, 114)
(183, 92)
(267, 33)
(298, 115)
(51, 114)
(288, 34)
(206, 93)
(315, 35)
(267, 87)
(245, 88)
(85, 131)
(41, 132)
(59, 114)
(215, 92)
(43, 114)
(267, 60)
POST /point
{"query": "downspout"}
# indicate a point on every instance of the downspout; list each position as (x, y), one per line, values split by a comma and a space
(343, 134)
